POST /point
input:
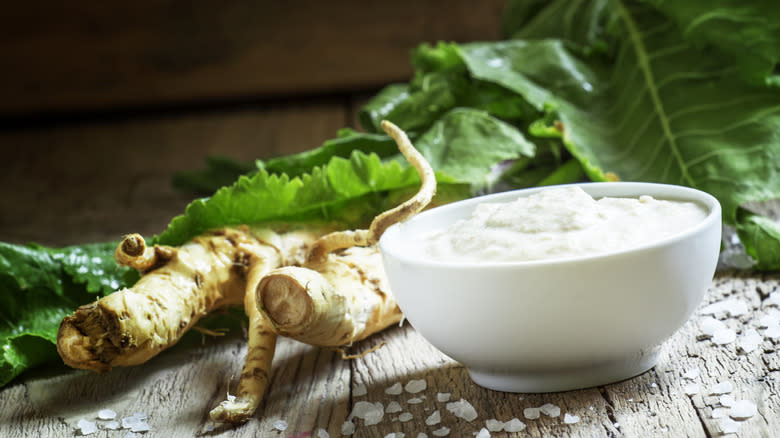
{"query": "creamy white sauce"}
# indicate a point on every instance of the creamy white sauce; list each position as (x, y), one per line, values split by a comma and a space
(560, 223)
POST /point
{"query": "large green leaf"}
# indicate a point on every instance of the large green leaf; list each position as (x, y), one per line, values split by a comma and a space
(654, 107)
(464, 146)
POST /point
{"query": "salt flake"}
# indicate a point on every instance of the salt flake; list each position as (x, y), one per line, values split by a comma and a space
(360, 390)
(415, 400)
(140, 426)
(415, 386)
(724, 336)
(570, 419)
(726, 400)
(348, 428)
(393, 407)
(443, 397)
(749, 341)
(709, 325)
(494, 425)
(773, 332)
(771, 319)
(483, 433)
(773, 299)
(395, 389)
(514, 425)
(691, 374)
(434, 418)
(550, 410)
(743, 409)
(322, 433)
(462, 409)
(106, 414)
(406, 416)
(727, 425)
(531, 413)
(723, 387)
(111, 425)
(371, 413)
(732, 306)
(442, 431)
(720, 413)
(280, 425)
(691, 389)
(86, 427)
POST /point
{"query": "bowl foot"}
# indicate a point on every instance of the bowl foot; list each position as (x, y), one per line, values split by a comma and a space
(565, 379)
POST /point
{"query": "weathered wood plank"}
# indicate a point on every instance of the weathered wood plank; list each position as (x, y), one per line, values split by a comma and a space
(83, 182)
(60, 56)
(313, 388)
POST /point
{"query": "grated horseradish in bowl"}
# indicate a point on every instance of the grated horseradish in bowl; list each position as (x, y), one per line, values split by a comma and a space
(556, 288)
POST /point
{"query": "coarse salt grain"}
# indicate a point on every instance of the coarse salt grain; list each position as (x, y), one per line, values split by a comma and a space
(406, 416)
(773, 299)
(483, 433)
(434, 418)
(106, 414)
(727, 425)
(415, 400)
(743, 409)
(111, 425)
(724, 336)
(442, 431)
(550, 410)
(770, 319)
(395, 389)
(494, 425)
(691, 374)
(531, 413)
(371, 413)
(726, 400)
(691, 389)
(393, 407)
(749, 341)
(395, 435)
(280, 425)
(348, 428)
(514, 425)
(415, 386)
(709, 325)
(720, 413)
(733, 307)
(570, 419)
(86, 427)
(773, 332)
(723, 387)
(462, 409)
(322, 433)
(140, 426)
(443, 397)
(360, 390)
(422, 435)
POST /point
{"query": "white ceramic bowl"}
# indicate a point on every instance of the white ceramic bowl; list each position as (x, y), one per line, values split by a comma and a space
(543, 326)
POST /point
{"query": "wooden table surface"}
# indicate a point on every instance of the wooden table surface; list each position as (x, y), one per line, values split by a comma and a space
(83, 181)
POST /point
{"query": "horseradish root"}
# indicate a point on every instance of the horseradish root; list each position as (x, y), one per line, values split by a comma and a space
(341, 294)
(178, 286)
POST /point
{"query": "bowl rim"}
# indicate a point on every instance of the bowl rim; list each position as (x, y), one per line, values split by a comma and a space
(389, 246)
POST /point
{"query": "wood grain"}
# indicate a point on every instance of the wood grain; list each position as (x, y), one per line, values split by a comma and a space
(96, 55)
(74, 182)
(84, 182)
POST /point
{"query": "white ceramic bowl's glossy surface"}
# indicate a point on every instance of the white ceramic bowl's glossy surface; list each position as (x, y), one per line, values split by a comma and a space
(555, 325)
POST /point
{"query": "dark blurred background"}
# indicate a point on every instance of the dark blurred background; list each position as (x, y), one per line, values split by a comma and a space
(102, 102)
